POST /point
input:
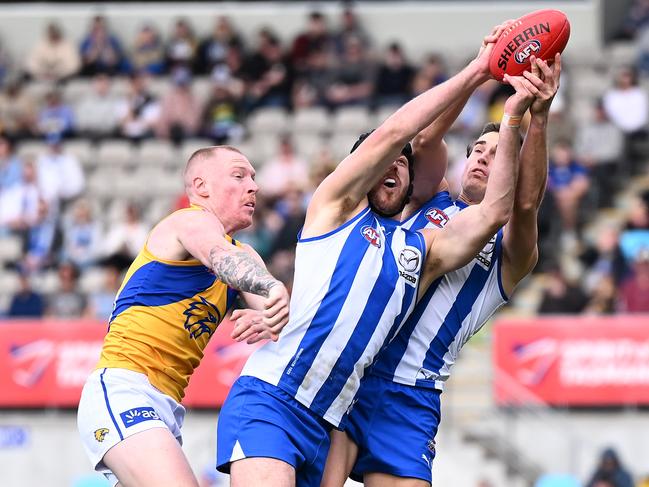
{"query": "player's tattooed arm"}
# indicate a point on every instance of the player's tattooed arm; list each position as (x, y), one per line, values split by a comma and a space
(240, 270)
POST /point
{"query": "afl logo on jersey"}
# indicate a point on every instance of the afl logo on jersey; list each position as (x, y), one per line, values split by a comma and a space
(436, 216)
(372, 235)
(409, 262)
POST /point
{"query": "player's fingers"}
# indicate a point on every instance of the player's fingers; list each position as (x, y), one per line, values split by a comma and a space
(236, 314)
(240, 328)
(529, 86)
(276, 319)
(248, 333)
(534, 79)
(545, 69)
(557, 64)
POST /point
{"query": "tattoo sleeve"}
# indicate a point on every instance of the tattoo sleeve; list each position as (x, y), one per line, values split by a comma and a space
(238, 269)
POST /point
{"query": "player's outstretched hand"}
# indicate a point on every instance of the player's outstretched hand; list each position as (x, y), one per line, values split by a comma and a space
(488, 43)
(521, 100)
(249, 326)
(546, 80)
(276, 308)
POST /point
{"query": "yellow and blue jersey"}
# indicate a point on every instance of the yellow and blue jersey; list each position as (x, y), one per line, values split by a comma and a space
(165, 313)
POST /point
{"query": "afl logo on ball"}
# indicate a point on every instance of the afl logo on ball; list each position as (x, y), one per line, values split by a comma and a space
(436, 216)
(372, 235)
(523, 53)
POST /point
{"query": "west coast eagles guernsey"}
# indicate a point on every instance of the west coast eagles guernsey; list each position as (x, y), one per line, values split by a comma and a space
(165, 313)
(452, 310)
(353, 288)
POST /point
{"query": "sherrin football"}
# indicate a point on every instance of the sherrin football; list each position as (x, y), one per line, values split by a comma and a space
(542, 33)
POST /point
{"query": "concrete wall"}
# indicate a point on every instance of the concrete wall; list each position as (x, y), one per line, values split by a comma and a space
(454, 28)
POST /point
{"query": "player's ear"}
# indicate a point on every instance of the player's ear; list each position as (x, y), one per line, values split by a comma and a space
(200, 187)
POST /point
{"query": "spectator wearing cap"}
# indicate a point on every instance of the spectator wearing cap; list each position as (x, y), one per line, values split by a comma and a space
(26, 303)
(139, 111)
(148, 54)
(213, 50)
(393, 78)
(67, 301)
(96, 111)
(56, 117)
(181, 47)
(610, 469)
(180, 110)
(101, 51)
(18, 111)
(53, 58)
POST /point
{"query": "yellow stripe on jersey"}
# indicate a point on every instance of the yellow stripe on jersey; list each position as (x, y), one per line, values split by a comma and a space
(165, 313)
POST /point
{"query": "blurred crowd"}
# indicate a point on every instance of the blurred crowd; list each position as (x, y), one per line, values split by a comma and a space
(332, 64)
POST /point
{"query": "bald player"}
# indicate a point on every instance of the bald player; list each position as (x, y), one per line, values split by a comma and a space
(176, 292)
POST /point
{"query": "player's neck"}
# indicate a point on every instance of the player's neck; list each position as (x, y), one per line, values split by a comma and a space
(465, 198)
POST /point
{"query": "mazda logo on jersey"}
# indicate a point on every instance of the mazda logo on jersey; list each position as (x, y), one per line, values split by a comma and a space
(409, 261)
(372, 235)
(486, 255)
(436, 216)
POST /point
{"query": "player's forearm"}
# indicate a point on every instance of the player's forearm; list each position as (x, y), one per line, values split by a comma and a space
(421, 111)
(240, 270)
(498, 201)
(533, 173)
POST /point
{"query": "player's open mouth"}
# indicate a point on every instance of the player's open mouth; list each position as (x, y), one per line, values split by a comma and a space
(479, 171)
(390, 183)
(250, 205)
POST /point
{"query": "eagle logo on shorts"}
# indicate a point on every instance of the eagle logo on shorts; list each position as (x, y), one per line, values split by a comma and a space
(372, 235)
(201, 317)
(100, 434)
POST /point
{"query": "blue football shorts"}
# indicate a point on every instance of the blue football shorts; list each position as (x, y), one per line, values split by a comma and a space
(259, 419)
(394, 426)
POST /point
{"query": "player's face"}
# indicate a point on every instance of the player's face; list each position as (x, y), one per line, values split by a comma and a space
(388, 196)
(233, 188)
(478, 165)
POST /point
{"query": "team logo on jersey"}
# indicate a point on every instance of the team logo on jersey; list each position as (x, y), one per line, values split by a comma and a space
(372, 235)
(138, 415)
(426, 374)
(430, 444)
(409, 262)
(100, 434)
(201, 317)
(436, 216)
(486, 255)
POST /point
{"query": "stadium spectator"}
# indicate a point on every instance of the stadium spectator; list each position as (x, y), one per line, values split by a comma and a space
(53, 58)
(39, 239)
(10, 165)
(315, 37)
(56, 118)
(627, 105)
(634, 293)
(60, 176)
(268, 74)
(311, 84)
(568, 182)
(259, 234)
(642, 44)
(600, 147)
(636, 18)
(604, 260)
(18, 110)
(292, 210)
(394, 78)
(353, 78)
(213, 49)
(148, 54)
(221, 118)
(561, 296)
(5, 64)
(125, 238)
(284, 171)
(100, 303)
(610, 469)
(181, 47)
(561, 126)
(139, 111)
(180, 110)
(67, 301)
(431, 73)
(81, 236)
(101, 51)
(635, 235)
(26, 303)
(350, 27)
(96, 112)
(19, 202)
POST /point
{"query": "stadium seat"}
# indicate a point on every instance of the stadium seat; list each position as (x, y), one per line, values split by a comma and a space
(308, 145)
(101, 184)
(190, 146)
(354, 120)
(155, 152)
(315, 120)
(342, 143)
(268, 121)
(383, 113)
(10, 249)
(115, 153)
(92, 280)
(9, 282)
(30, 148)
(46, 282)
(76, 89)
(83, 150)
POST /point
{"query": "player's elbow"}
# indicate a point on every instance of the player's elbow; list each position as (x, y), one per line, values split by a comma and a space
(424, 141)
(496, 216)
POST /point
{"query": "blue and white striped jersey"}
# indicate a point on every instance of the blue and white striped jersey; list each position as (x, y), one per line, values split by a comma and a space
(352, 290)
(452, 310)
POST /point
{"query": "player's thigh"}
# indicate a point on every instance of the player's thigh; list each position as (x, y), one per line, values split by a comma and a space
(386, 480)
(150, 457)
(340, 460)
(269, 472)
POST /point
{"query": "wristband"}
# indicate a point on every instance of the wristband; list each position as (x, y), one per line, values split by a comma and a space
(511, 121)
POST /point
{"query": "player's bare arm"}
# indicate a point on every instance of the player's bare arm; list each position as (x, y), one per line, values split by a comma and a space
(520, 252)
(344, 192)
(463, 236)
